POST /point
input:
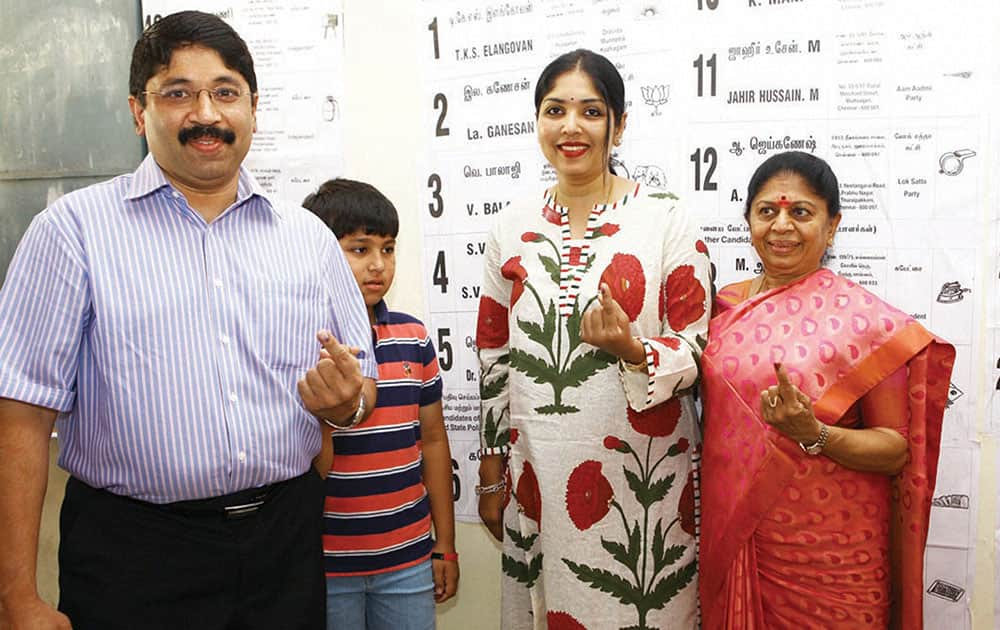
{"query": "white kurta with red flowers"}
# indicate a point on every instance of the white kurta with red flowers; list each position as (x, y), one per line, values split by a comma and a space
(601, 526)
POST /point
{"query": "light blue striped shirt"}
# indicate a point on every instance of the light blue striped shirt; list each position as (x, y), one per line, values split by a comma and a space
(171, 346)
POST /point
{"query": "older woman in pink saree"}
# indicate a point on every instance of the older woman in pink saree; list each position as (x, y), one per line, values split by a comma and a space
(823, 409)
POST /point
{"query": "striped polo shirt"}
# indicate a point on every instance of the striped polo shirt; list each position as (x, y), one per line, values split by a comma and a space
(170, 346)
(377, 513)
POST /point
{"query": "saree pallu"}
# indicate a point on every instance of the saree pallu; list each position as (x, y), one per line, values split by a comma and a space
(792, 540)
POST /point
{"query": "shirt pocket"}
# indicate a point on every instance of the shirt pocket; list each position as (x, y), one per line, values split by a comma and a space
(288, 317)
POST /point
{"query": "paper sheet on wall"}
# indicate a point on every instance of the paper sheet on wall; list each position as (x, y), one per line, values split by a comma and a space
(897, 95)
(298, 52)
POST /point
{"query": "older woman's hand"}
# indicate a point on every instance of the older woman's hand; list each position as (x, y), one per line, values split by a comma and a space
(787, 409)
(607, 327)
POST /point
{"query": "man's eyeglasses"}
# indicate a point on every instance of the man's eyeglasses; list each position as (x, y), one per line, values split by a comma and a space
(185, 97)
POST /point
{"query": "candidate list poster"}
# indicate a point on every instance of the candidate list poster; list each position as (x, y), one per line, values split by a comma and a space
(895, 95)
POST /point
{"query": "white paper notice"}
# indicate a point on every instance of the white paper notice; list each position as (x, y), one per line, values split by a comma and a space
(298, 52)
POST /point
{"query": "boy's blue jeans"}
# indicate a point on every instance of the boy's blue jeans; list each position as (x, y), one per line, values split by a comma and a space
(397, 600)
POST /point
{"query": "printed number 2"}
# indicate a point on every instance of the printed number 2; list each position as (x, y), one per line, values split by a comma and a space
(440, 101)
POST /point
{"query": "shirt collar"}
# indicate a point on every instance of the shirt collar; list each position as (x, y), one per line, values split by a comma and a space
(149, 178)
(381, 312)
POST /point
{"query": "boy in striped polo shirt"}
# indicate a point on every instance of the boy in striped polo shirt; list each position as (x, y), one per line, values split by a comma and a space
(389, 478)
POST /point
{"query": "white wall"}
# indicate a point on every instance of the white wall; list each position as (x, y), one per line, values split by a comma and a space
(382, 119)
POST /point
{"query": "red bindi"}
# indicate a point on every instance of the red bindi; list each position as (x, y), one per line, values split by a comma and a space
(784, 201)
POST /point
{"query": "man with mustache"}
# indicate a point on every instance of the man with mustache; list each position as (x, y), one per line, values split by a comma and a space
(166, 320)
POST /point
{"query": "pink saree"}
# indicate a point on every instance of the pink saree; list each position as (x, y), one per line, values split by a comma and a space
(794, 541)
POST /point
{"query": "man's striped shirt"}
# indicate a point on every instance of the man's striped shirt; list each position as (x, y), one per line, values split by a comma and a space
(172, 346)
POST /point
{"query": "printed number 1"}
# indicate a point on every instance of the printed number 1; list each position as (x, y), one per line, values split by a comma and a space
(433, 27)
(711, 4)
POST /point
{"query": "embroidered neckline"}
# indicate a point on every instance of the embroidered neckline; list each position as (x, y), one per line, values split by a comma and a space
(571, 275)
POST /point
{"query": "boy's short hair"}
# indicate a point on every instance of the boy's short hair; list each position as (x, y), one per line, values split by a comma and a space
(348, 206)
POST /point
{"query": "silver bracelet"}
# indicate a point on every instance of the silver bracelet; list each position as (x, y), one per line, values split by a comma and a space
(356, 419)
(499, 486)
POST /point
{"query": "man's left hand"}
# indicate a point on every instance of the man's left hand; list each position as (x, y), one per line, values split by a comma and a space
(332, 388)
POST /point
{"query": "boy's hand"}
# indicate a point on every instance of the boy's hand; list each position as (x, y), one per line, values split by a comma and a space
(445, 575)
(332, 388)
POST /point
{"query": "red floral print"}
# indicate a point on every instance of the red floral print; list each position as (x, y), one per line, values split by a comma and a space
(558, 620)
(515, 272)
(514, 434)
(700, 247)
(551, 215)
(627, 283)
(671, 342)
(612, 443)
(588, 494)
(529, 498)
(658, 421)
(682, 297)
(531, 237)
(685, 510)
(491, 327)
(608, 229)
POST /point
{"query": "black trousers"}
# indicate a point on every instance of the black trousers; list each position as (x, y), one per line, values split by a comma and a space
(129, 565)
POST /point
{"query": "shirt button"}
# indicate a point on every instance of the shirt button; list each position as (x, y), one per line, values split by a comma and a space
(232, 397)
(242, 457)
(218, 283)
(224, 339)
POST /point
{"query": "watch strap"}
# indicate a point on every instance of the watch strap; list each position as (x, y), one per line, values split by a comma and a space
(817, 447)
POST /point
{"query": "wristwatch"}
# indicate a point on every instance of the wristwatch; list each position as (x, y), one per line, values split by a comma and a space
(817, 448)
(355, 419)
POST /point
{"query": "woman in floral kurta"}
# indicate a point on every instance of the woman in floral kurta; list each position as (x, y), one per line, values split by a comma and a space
(600, 455)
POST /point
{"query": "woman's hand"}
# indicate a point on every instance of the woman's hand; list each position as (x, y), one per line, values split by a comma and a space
(607, 327)
(491, 471)
(787, 409)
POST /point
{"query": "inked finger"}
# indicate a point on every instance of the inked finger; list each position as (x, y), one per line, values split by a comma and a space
(785, 387)
(330, 343)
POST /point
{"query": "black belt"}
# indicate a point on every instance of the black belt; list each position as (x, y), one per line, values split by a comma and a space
(230, 506)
